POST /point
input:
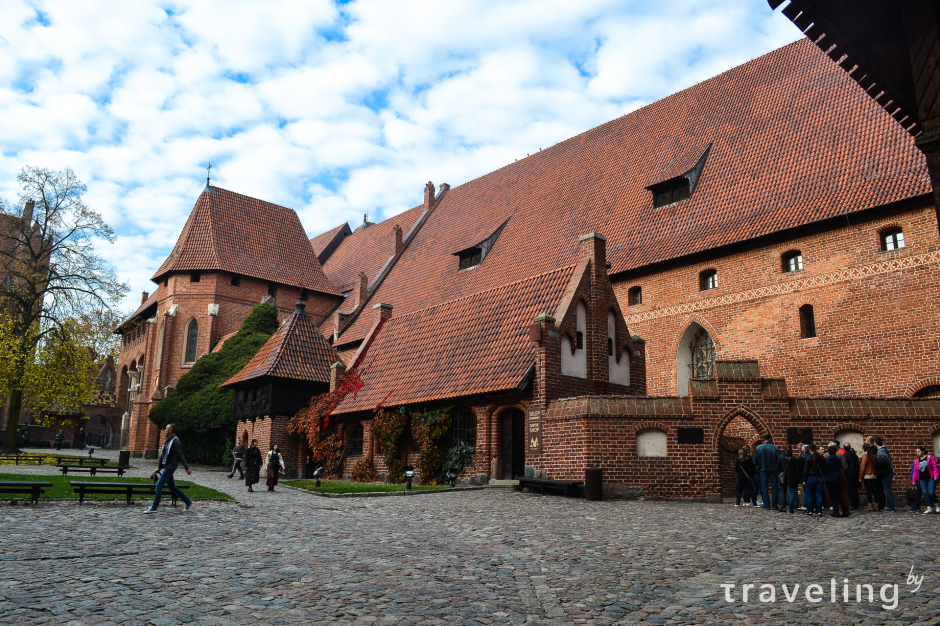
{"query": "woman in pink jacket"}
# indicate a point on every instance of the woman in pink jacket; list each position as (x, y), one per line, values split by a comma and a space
(926, 472)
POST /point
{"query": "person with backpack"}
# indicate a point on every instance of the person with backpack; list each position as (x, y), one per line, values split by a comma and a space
(792, 477)
(744, 468)
(835, 483)
(852, 475)
(813, 472)
(885, 470)
(925, 473)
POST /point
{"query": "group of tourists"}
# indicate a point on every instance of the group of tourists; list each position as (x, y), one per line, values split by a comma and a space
(836, 471)
(250, 459)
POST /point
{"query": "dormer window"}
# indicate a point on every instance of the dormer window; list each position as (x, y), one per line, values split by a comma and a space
(680, 177)
(470, 258)
(792, 261)
(708, 280)
(671, 192)
(635, 296)
(892, 239)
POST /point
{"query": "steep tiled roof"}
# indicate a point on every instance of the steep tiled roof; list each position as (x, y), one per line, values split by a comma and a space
(151, 301)
(476, 344)
(234, 233)
(325, 243)
(297, 351)
(794, 140)
(367, 249)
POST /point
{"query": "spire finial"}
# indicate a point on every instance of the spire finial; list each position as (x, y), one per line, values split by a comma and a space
(208, 172)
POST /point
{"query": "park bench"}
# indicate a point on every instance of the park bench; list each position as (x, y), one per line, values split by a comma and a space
(21, 459)
(34, 488)
(80, 460)
(566, 487)
(123, 489)
(93, 470)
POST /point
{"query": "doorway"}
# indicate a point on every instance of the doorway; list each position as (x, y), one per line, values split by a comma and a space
(739, 433)
(513, 444)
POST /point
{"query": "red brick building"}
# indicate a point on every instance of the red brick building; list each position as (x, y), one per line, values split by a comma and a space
(646, 295)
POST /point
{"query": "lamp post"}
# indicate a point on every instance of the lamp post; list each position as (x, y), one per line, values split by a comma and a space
(317, 473)
(451, 476)
(409, 476)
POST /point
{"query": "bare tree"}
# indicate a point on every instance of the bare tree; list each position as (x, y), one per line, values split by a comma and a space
(52, 275)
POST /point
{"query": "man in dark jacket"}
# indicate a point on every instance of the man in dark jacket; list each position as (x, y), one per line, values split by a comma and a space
(766, 459)
(852, 474)
(170, 458)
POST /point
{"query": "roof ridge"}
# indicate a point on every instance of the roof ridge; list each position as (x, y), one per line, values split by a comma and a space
(485, 291)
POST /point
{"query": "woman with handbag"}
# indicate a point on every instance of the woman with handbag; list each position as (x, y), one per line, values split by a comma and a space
(744, 468)
(273, 465)
(925, 473)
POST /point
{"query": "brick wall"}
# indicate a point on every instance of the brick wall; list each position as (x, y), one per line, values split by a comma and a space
(878, 332)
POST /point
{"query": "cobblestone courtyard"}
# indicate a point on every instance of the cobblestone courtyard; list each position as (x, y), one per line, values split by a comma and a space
(478, 557)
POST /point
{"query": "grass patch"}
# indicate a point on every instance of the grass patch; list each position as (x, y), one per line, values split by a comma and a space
(61, 488)
(346, 486)
(49, 458)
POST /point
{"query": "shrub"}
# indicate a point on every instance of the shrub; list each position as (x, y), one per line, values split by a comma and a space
(458, 458)
(388, 426)
(203, 411)
(364, 472)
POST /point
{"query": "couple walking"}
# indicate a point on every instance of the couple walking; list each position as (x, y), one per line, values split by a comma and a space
(271, 467)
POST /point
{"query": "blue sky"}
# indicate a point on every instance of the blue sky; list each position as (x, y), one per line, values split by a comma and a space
(332, 109)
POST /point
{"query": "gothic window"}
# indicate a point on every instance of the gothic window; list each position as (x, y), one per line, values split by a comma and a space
(708, 280)
(807, 322)
(107, 380)
(192, 340)
(465, 429)
(792, 261)
(355, 440)
(635, 296)
(703, 355)
(892, 239)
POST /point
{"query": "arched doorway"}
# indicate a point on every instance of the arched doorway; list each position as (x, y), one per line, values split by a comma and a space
(695, 357)
(512, 430)
(737, 434)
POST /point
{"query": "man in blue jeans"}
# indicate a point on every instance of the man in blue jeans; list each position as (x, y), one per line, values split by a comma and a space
(884, 457)
(765, 458)
(170, 458)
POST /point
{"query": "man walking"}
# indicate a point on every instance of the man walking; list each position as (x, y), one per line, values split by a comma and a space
(238, 453)
(766, 458)
(170, 458)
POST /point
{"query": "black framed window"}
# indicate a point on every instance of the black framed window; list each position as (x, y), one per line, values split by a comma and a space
(355, 440)
(465, 429)
(708, 280)
(892, 239)
(635, 296)
(792, 261)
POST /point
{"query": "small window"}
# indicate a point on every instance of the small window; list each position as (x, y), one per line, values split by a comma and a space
(807, 322)
(792, 261)
(635, 296)
(610, 346)
(470, 258)
(465, 429)
(708, 280)
(671, 192)
(355, 440)
(579, 340)
(192, 340)
(236, 280)
(272, 289)
(195, 276)
(303, 294)
(892, 239)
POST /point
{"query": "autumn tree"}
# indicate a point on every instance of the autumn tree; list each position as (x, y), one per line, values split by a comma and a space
(50, 276)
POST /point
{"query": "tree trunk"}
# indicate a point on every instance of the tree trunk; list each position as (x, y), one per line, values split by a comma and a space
(13, 418)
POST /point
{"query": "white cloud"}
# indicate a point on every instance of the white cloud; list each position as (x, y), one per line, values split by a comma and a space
(335, 110)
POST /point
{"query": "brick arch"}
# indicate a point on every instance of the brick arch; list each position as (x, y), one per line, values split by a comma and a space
(888, 225)
(756, 421)
(644, 425)
(701, 321)
(846, 426)
(914, 387)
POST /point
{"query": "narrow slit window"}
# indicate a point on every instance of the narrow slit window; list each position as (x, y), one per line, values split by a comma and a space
(579, 340)
(807, 322)
(892, 239)
(192, 341)
(635, 296)
(610, 347)
(708, 280)
(792, 261)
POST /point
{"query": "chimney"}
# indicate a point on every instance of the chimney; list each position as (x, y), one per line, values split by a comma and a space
(399, 246)
(593, 246)
(143, 297)
(428, 195)
(363, 290)
(382, 312)
(28, 211)
(337, 373)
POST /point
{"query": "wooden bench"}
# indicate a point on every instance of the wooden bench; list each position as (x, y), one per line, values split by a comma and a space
(92, 469)
(21, 459)
(34, 488)
(80, 460)
(566, 487)
(124, 489)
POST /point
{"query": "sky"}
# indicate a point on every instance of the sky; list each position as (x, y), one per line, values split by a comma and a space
(334, 109)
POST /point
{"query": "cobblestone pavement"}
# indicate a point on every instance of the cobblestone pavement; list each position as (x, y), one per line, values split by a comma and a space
(479, 557)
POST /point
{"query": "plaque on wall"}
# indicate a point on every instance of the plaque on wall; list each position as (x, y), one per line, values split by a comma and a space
(691, 435)
(799, 435)
(534, 432)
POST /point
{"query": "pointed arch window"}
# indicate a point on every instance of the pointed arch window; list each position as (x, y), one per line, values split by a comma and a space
(703, 355)
(192, 341)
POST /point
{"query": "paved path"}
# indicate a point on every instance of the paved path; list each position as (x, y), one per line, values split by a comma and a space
(479, 557)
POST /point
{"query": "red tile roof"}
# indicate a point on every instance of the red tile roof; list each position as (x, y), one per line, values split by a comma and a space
(794, 141)
(476, 344)
(322, 240)
(297, 351)
(367, 250)
(149, 302)
(234, 233)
